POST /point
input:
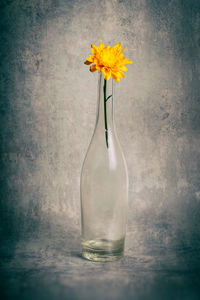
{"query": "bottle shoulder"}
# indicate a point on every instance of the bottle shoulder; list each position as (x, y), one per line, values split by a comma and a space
(100, 155)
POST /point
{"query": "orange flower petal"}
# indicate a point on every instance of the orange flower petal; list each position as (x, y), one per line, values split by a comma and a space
(115, 77)
(102, 46)
(123, 68)
(106, 73)
(121, 74)
(90, 58)
(94, 49)
(117, 46)
(87, 62)
(93, 68)
(127, 61)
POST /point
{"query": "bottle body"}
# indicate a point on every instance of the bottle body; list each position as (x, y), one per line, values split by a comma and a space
(104, 187)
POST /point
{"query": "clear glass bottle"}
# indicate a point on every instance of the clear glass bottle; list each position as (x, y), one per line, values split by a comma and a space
(104, 185)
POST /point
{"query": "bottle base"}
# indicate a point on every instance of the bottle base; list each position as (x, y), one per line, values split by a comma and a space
(102, 250)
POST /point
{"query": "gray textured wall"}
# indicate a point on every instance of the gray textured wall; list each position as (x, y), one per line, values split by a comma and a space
(48, 111)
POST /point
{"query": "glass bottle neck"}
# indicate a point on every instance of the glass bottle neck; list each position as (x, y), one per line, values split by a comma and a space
(105, 107)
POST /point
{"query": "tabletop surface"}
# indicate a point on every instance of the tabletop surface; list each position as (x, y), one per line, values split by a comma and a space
(49, 266)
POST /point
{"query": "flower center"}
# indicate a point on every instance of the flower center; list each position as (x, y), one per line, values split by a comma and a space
(107, 59)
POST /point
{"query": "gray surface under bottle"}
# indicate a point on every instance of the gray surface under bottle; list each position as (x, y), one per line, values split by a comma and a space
(49, 266)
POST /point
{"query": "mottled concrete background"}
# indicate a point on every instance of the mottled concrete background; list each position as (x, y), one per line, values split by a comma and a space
(48, 111)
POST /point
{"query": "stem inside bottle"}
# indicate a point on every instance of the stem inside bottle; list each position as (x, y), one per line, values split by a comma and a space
(105, 110)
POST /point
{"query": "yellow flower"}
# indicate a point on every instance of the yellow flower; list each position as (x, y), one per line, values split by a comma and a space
(109, 61)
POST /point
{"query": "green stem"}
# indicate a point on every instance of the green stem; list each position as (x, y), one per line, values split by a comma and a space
(105, 112)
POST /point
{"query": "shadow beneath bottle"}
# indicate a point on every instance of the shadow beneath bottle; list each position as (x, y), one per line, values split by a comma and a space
(77, 254)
